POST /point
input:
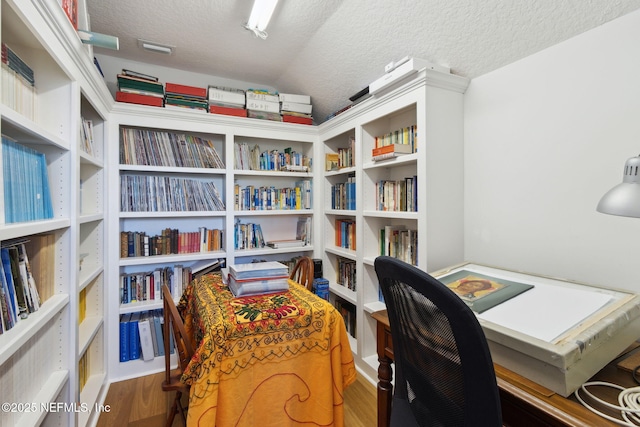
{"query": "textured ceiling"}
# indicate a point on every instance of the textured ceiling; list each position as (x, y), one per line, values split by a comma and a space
(330, 49)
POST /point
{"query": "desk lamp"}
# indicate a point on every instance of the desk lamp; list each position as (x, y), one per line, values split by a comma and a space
(624, 200)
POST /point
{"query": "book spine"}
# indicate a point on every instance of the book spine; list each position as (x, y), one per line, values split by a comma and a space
(134, 98)
(186, 90)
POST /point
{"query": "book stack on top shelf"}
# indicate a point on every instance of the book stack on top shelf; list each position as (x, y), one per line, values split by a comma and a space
(256, 278)
(18, 84)
(262, 104)
(295, 108)
(185, 96)
(139, 88)
(228, 101)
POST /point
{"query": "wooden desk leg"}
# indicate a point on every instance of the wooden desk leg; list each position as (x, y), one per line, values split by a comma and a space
(385, 390)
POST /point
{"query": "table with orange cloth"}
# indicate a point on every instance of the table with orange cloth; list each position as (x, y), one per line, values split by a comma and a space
(279, 359)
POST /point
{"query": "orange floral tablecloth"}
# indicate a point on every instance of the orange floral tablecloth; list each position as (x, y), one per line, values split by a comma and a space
(272, 360)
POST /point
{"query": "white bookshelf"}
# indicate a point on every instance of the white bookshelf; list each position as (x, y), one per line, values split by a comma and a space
(225, 132)
(50, 342)
(432, 101)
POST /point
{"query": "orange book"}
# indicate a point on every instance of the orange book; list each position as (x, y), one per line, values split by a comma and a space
(216, 109)
(135, 98)
(185, 90)
(297, 119)
(392, 148)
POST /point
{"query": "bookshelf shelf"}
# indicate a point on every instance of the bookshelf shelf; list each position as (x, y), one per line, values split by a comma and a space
(28, 131)
(50, 389)
(15, 230)
(173, 258)
(432, 102)
(90, 393)
(13, 339)
(87, 332)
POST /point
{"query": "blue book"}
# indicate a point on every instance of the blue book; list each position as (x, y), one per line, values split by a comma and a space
(124, 337)
(134, 337)
(6, 265)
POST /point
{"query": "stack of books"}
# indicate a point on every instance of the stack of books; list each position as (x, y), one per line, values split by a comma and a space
(393, 144)
(184, 96)
(262, 104)
(256, 278)
(228, 101)
(295, 108)
(18, 83)
(139, 88)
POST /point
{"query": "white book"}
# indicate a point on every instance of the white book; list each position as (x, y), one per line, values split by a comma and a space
(146, 342)
(292, 97)
(261, 96)
(257, 287)
(296, 107)
(225, 96)
(261, 105)
(258, 270)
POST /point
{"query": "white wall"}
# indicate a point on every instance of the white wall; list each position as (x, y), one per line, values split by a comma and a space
(545, 138)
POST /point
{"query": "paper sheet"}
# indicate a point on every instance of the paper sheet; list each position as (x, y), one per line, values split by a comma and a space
(546, 311)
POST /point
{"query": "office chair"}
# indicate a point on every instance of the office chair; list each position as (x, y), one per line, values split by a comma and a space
(444, 371)
(173, 326)
(302, 272)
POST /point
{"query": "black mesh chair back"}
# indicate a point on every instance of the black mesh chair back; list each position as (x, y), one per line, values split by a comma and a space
(444, 371)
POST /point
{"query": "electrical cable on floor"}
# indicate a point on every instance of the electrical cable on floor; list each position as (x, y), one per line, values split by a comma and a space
(628, 399)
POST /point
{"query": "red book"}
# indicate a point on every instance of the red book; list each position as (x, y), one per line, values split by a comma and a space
(185, 90)
(70, 7)
(297, 119)
(216, 109)
(135, 98)
(392, 148)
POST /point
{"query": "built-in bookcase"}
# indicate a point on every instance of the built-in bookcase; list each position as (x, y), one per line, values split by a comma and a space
(132, 210)
(431, 103)
(65, 248)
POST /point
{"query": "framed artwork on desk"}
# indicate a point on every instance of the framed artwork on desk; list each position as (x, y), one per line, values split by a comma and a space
(481, 292)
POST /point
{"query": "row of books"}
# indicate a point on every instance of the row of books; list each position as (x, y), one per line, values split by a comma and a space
(86, 136)
(26, 183)
(17, 93)
(149, 193)
(344, 158)
(18, 293)
(263, 198)
(160, 148)
(343, 194)
(399, 242)
(397, 196)
(170, 241)
(348, 312)
(345, 230)
(256, 278)
(396, 143)
(346, 273)
(248, 236)
(147, 285)
(140, 88)
(252, 158)
(142, 335)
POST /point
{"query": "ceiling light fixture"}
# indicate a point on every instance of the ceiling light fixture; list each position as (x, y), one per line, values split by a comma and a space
(155, 47)
(260, 16)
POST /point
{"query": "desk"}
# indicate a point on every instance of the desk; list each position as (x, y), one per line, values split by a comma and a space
(524, 403)
(273, 360)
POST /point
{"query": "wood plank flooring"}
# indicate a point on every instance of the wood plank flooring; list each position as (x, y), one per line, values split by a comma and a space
(140, 402)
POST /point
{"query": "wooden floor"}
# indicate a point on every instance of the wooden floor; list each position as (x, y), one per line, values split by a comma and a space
(140, 402)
